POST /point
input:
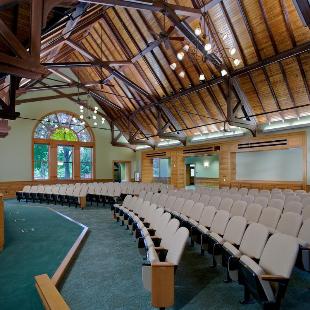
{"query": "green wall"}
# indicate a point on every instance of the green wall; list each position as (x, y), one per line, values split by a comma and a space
(15, 149)
(205, 172)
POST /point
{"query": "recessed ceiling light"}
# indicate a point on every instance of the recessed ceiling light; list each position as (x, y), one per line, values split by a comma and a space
(236, 62)
(223, 72)
(173, 66)
(202, 77)
(186, 47)
(208, 47)
(180, 55)
(198, 31)
(232, 51)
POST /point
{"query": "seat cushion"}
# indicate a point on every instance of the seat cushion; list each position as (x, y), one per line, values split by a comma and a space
(216, 237)
(231, 249)
(203, 229)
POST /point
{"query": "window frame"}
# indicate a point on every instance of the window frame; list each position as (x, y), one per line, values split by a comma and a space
(34, 161)
(91, 162)
(53, 144)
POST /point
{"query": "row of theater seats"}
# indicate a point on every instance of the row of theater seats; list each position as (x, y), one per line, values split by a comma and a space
(215, 198)
(160, 235)
(258, 248)
(71, 194)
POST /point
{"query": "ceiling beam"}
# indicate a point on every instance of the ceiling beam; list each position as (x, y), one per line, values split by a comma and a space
(154, 6)
(85, 64)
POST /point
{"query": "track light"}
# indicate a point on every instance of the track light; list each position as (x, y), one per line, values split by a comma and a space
(202, 77)
(180, 55)
(182, 74)
(232, 51)
(208, 47)
(198, 31)
(186, 47)
(173, 66)
(236, 62)
(223, 72)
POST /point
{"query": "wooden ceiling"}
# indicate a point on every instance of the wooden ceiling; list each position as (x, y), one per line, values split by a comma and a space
(143, 96)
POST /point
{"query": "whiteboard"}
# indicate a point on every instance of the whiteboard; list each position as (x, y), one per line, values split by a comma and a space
(276, 165)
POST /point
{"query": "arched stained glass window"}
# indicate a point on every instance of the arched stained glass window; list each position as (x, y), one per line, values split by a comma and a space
(62, 126)
(72, 145)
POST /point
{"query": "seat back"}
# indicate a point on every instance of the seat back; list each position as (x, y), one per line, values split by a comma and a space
(215, 201)
(169, 203)
(132, 203)
(304, 233)
(226, 204)
(235, 197)
(306, 213)
(197, 211)
(261, 200)
(195, 197)
(162, 200)
(270, 217)
(168, 233)
(207, 216)
(161, 225)
(253, 212)
(220, 221)
(243, 191)
(155, 198)
(187, 194)
(177, 206)
(306, 202)
(187, 207)
(127, 201)
(293, 206)
(205, 198)
(276, 203)
(279, 255)
(176, 247)
(235, 230)
(253, 192)
(248, 198)
(142, 194)
(289, 224)
(238, 208)
(254, 240)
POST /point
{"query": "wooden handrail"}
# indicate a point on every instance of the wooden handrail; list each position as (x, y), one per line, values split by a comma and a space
(1, 222)
(51, 298)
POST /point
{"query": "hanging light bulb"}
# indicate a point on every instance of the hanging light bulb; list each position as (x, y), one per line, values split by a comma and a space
(95, 124)
(173, 66)
(74, 119)
(232, 51)
(102, 120)
(223, 72)
(81, 116)
(83, 123)
(180, 55)
(96, 108)
(182, 74)
(186, 47)
(197, 31)
(236, 62)
(225, 36)
(81, 107)
(202, 77)
(94, 117)
(208, 47)
(95, 111)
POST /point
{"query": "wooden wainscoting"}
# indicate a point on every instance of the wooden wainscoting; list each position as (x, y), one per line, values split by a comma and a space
(267, 184)
(210, 182)
(9, 189)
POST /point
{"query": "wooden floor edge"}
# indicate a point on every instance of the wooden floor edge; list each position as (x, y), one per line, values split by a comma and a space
(68, 260)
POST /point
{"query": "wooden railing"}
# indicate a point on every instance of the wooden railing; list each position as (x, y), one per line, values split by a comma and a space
(1, 222)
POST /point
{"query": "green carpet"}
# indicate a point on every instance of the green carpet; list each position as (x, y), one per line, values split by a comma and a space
(107, 274)
(36, 241)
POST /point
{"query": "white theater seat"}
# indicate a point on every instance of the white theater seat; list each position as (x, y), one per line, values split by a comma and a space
(226, 204)
(215, 201)
(270, 218)
(304, 241)
(289, 224)
(267, 280)
(261, 200)
(238, 208)
(276, 203)
(306, 213)
(293, 206)
(253, 212)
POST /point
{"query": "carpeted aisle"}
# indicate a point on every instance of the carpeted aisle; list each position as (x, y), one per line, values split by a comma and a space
(36, 241)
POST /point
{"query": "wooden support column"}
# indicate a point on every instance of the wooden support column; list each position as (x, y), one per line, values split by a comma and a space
(177, 169)
(76, 161)
(1, 222)
(53, 168)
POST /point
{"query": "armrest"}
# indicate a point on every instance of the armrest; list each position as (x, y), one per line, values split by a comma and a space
(304, 248)
(273, 278)
(141, 219)
(161, 252)
(156, 240)
(146, 225)
(151, 231)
